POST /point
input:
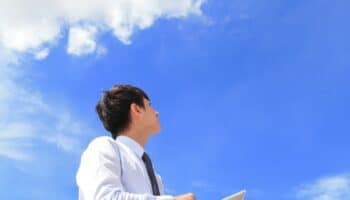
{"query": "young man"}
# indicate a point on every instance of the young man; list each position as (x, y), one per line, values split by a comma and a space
(117, 167)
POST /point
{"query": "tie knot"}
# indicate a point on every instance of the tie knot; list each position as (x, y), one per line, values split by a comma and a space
(145, 157)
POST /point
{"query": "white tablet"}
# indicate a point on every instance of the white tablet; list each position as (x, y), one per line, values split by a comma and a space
(238, 196)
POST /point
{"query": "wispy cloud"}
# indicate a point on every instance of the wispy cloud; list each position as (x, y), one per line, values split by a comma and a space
(327, 188)
(34, 26)
(15, 150)
(26, 118)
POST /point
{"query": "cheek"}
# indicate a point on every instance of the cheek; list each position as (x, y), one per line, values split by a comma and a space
(151, 118)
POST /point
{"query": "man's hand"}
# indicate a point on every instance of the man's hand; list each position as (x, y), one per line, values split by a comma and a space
(188, 196)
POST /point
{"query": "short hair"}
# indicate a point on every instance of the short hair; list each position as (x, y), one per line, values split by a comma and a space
(113, 108)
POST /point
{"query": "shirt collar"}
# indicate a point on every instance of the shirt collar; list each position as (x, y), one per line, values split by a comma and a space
(131, 144)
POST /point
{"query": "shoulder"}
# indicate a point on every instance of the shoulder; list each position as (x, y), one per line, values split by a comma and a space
(102, 145)
(100, 154)
(101, 141)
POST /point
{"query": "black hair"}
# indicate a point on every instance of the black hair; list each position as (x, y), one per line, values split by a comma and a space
(113, 108)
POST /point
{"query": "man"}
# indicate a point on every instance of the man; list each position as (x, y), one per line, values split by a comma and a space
(117, 167)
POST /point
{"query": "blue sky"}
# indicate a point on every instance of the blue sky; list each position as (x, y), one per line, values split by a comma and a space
(251, 94)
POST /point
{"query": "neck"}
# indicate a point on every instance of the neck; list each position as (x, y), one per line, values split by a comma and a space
(138, 136)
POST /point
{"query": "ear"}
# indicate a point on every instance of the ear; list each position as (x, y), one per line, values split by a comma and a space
(135, 109)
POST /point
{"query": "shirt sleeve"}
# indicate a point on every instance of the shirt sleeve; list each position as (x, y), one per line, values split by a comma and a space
(99, 175)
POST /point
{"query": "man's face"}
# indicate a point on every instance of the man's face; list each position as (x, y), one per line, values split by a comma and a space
(150, 118)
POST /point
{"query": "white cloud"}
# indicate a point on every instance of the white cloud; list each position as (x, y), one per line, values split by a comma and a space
(328, 188)
(81, 40)
(41, 54)
(7, 57)
(31, 26)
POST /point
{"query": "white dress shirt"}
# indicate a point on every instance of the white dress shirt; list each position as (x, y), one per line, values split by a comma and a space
(113, 170)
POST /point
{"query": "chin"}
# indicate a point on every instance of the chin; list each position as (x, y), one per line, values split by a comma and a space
(156, 130)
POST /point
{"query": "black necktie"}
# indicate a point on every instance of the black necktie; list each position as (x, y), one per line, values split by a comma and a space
(151, 175)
